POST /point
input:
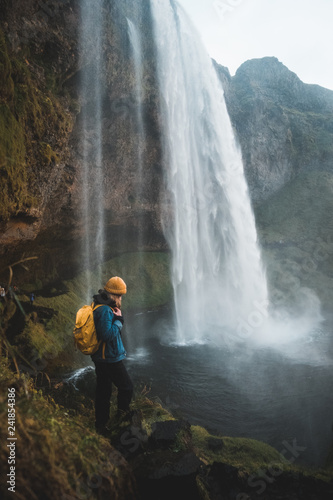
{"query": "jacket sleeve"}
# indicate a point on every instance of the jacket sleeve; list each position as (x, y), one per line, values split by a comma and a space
(107, 328)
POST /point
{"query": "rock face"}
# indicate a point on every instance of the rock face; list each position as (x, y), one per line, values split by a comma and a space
(39, 50)
(41, 156)
(38, 118)
(285, 127)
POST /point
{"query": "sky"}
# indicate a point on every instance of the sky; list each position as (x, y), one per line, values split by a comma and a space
(298, 32)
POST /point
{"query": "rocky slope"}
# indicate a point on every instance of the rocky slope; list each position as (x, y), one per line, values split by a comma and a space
(148, 454)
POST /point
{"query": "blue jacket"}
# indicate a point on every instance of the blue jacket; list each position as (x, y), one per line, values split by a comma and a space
(108, 330)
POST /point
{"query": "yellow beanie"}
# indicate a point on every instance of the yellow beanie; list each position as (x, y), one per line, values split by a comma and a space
(116, 286)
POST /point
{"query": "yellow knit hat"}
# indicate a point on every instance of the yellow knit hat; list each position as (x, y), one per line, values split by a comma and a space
(116, 286)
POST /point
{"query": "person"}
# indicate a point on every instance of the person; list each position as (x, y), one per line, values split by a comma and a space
(32, 298)
(108, 359)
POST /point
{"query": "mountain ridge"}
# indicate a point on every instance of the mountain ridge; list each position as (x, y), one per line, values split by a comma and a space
(284, 126)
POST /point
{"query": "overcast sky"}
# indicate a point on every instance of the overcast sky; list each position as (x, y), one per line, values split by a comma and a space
(298, 32)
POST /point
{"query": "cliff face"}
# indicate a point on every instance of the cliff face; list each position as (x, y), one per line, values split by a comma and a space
(42, 132)
(37, 118)
(39, 52)
(285, 127)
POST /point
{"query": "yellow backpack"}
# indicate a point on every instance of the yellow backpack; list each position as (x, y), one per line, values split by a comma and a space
(85, 336)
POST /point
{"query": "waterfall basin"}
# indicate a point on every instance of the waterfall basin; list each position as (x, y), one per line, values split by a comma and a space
(237, 390)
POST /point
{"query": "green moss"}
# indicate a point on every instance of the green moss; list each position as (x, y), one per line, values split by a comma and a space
(28, 112)
(58, 451)
(246, 454)
(35, 106)
(35, 340)
(33, 287)
(151, 411)
(6, 82)
(7, 376)
(47, 154)
(13, 175)
(56, 345)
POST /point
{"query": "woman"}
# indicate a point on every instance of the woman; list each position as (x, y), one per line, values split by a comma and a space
(109, 357)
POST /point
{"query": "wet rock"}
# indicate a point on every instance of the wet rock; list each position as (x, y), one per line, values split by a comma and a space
(164, 474)
(225, 482)
(132, 441)
(82, 381)
(165, 433)
(165, 466)
(215, 444)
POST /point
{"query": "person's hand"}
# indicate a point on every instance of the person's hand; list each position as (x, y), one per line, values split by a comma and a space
(117, 311)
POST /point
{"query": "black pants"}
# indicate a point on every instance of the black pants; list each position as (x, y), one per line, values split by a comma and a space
(106, 374)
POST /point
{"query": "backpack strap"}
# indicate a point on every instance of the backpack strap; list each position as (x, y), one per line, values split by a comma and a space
(94, 308)
(100, 305)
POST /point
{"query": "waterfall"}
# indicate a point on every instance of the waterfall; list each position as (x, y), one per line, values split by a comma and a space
(217, 273)
(136, 48)
(91, 139)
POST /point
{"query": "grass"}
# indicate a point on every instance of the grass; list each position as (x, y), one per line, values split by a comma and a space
(250, 455)
(57, 453)
(243, 453)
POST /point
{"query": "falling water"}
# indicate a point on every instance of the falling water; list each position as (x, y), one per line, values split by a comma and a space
(136, 48)
(217, 273)
(92, 156)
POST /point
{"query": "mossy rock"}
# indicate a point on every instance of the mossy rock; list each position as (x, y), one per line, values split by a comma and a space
(246, 454)
(249, 456)
(47, 154)
(34, 340)
(13, 174)
(28, 113)
(6, 81)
